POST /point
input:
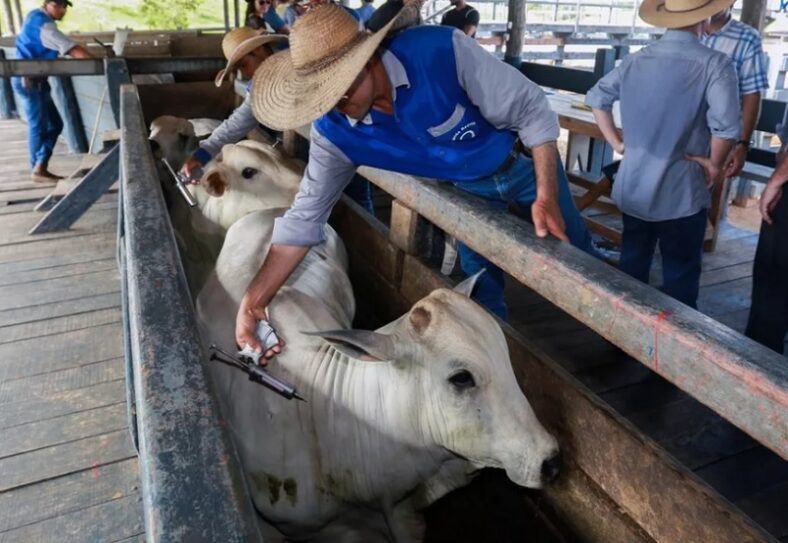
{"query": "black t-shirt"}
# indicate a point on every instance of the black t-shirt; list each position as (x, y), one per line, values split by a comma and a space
(383, 15)
(460, 18)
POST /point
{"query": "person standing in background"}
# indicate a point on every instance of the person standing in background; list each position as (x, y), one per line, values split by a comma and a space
(463, 17)
(39, 38)
(366, 10)
(260, 13)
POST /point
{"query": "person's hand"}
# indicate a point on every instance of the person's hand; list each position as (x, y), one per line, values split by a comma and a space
(246, 331)
(769, 198)
(547, 218)
(713, 173)
(618, 147)
(736, 161)
(190, 164)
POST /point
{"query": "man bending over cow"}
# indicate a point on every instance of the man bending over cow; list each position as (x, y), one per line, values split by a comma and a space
(429, 102)
(245, 49)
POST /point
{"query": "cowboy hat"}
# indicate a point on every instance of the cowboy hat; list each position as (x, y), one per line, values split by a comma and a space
(327, 52)
(238, 43)
(680, 13)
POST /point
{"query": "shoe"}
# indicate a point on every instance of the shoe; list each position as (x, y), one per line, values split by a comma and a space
(45, 177)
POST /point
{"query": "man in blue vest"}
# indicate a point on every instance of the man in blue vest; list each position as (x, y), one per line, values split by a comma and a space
(428, 102)
(39, 38)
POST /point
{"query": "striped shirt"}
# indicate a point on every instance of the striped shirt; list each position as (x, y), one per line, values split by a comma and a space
(742, 44)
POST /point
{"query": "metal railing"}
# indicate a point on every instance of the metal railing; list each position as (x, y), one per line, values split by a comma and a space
(192, 485)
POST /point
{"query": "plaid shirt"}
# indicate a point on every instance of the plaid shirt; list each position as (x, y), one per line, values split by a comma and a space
(742, 44)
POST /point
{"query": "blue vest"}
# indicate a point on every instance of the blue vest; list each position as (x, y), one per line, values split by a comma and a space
(435, 131)
(28, 41)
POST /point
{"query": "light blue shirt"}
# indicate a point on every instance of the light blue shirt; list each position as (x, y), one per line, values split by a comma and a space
(675, 95)
(365, 12)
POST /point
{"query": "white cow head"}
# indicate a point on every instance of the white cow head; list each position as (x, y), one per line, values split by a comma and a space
(172, 138)
(462, 392)
(247, 176)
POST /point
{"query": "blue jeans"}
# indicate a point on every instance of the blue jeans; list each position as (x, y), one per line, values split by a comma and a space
(517, 185)
(360, 191)
(681, 245)
(43, 121)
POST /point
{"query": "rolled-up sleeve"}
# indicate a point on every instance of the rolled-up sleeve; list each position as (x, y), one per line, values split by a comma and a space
(506, 98)
(232, 130)
(327, 174)
(722, 97)
(606, 91)
(54, 39)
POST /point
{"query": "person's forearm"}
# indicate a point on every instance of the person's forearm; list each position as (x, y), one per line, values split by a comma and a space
(277, 267)
(780, 175)
(750, 111)
(545, 163)
(607, 125)
(720, 149)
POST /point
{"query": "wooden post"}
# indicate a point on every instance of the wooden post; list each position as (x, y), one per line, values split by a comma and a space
(8, 18)
(20, 17)
(69, 110)
(7, 102)
(516, 29)
(404, 222)
(753, 13)
(226, 7)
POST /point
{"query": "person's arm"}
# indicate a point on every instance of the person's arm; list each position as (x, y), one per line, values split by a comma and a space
(327, 173)
(775, 186)
(724, 120)
(275, 22)
(601, 98)
(509, 100)
(753, 79)
(232, 130)
(54, 39)
(471, 23)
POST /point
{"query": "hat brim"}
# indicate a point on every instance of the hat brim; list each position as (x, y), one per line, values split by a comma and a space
(654, 13)
(282, 99)
(243, 49)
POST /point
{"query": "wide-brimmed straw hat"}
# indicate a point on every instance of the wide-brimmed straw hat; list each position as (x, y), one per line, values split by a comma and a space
(680, 13)
(327, 52)
(238, 43)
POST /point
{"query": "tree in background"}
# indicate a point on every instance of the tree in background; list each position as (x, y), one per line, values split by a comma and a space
(168, 14)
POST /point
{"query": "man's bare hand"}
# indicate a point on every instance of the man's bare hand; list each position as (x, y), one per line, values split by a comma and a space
(246, 332)
(736, 161)
(713, 173)
(190, 165)
(548, 219)
(769, 199)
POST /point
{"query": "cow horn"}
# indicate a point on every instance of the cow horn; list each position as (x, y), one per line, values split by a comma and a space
(467, 285)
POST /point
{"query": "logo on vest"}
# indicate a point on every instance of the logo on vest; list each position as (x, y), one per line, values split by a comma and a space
(465, 132)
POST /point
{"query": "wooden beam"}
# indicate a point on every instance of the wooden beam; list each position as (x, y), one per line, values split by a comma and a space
(89, 189)
(516, 30)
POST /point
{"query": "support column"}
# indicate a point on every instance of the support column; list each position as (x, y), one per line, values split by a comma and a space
(515, 27)
(8, 19)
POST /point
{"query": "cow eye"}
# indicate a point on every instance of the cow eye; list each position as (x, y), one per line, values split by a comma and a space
(248, 173)
(462, 379)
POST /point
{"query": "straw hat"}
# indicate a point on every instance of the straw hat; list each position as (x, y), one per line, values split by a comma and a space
(239, 42)
(680, 13)
(327, 52)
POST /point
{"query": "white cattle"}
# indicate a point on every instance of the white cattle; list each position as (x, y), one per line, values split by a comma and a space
(395, 418)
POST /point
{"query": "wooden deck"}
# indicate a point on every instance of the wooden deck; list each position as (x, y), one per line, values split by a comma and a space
(68, 470)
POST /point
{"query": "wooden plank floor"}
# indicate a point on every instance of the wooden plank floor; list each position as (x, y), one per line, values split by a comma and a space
(68, 470)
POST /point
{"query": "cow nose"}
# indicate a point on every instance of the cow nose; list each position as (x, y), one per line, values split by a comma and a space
(550, 468)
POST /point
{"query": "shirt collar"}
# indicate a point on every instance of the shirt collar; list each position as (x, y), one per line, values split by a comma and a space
(679, 35)
(397, 76)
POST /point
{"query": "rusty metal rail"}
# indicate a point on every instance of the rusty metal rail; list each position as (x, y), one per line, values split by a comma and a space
(192, 484)
(741, 380)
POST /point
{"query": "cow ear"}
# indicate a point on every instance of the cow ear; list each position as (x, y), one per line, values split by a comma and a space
(467, 285)
(361, 344)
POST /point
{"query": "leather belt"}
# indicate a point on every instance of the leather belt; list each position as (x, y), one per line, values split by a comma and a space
(516, 150)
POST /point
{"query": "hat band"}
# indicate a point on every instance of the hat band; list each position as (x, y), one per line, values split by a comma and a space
(664, 7)
(321, 63)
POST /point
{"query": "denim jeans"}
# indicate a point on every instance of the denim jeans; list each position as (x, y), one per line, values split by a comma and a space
(681, 245)
(768, 322)
(517, 185)
(43, 121)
